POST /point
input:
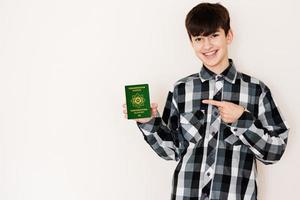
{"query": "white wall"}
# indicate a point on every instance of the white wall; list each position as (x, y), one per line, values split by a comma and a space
(63, 67)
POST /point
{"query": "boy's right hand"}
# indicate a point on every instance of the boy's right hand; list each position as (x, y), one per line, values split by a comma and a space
(154, 113)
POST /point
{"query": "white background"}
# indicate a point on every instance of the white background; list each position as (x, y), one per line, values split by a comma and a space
(63, 67)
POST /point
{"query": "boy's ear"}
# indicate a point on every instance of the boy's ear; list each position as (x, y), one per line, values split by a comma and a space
(229, 36)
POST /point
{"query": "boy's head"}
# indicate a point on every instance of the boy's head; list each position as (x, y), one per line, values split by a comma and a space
(206, 18)
(208, 27)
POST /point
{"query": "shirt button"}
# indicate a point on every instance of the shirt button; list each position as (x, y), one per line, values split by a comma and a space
(208, 174)
(235, 129)
(218, 77)
(216, 113)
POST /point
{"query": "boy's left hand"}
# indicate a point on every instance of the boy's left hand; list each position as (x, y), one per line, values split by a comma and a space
(229, 112)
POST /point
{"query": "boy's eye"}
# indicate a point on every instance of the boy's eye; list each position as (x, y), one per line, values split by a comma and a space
(215, 35)
(197, 39)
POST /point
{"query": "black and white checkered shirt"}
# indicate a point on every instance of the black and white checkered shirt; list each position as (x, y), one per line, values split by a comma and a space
(183, 134)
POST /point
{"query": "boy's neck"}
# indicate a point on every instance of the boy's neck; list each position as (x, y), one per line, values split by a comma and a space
(220, 68)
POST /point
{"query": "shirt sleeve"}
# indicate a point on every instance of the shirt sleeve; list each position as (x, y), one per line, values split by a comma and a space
(162, 133)
(266, 135)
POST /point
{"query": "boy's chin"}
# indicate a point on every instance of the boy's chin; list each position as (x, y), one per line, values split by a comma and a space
(210, 64)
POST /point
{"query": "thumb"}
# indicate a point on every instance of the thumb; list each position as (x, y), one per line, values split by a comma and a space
(154, 105)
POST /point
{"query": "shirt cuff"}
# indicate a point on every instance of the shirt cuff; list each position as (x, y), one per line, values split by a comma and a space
(242, 124)
(151, 126)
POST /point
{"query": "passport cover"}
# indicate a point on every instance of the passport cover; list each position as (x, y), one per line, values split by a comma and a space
(138, 101)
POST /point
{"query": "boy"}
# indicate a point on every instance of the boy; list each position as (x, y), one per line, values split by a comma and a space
(217, 122)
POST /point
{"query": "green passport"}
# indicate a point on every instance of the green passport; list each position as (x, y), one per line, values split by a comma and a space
(138, 101)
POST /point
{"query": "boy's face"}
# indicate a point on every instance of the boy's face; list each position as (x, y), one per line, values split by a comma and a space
(212, 50)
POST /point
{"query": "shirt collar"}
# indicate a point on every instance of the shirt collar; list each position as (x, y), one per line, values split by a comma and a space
(229, 74)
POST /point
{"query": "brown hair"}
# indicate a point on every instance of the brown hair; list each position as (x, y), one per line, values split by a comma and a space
(206, 18)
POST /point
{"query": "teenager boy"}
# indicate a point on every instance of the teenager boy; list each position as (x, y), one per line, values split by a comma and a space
(216, 122)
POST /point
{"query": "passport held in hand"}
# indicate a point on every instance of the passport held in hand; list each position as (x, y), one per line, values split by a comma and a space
(138, 101)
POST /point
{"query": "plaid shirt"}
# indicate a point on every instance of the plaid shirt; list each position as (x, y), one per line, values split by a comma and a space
(182, 132)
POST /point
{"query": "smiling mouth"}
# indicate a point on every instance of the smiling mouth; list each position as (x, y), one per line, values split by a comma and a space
(210, 54)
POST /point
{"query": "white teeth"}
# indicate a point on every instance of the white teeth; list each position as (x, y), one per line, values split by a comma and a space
(209, 53)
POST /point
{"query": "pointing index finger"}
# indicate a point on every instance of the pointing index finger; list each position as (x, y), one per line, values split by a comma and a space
(213, 102)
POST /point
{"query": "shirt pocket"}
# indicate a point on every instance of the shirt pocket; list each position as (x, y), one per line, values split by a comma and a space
(192, 125)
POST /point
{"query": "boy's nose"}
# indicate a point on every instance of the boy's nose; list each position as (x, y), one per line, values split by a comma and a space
(206, 43)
